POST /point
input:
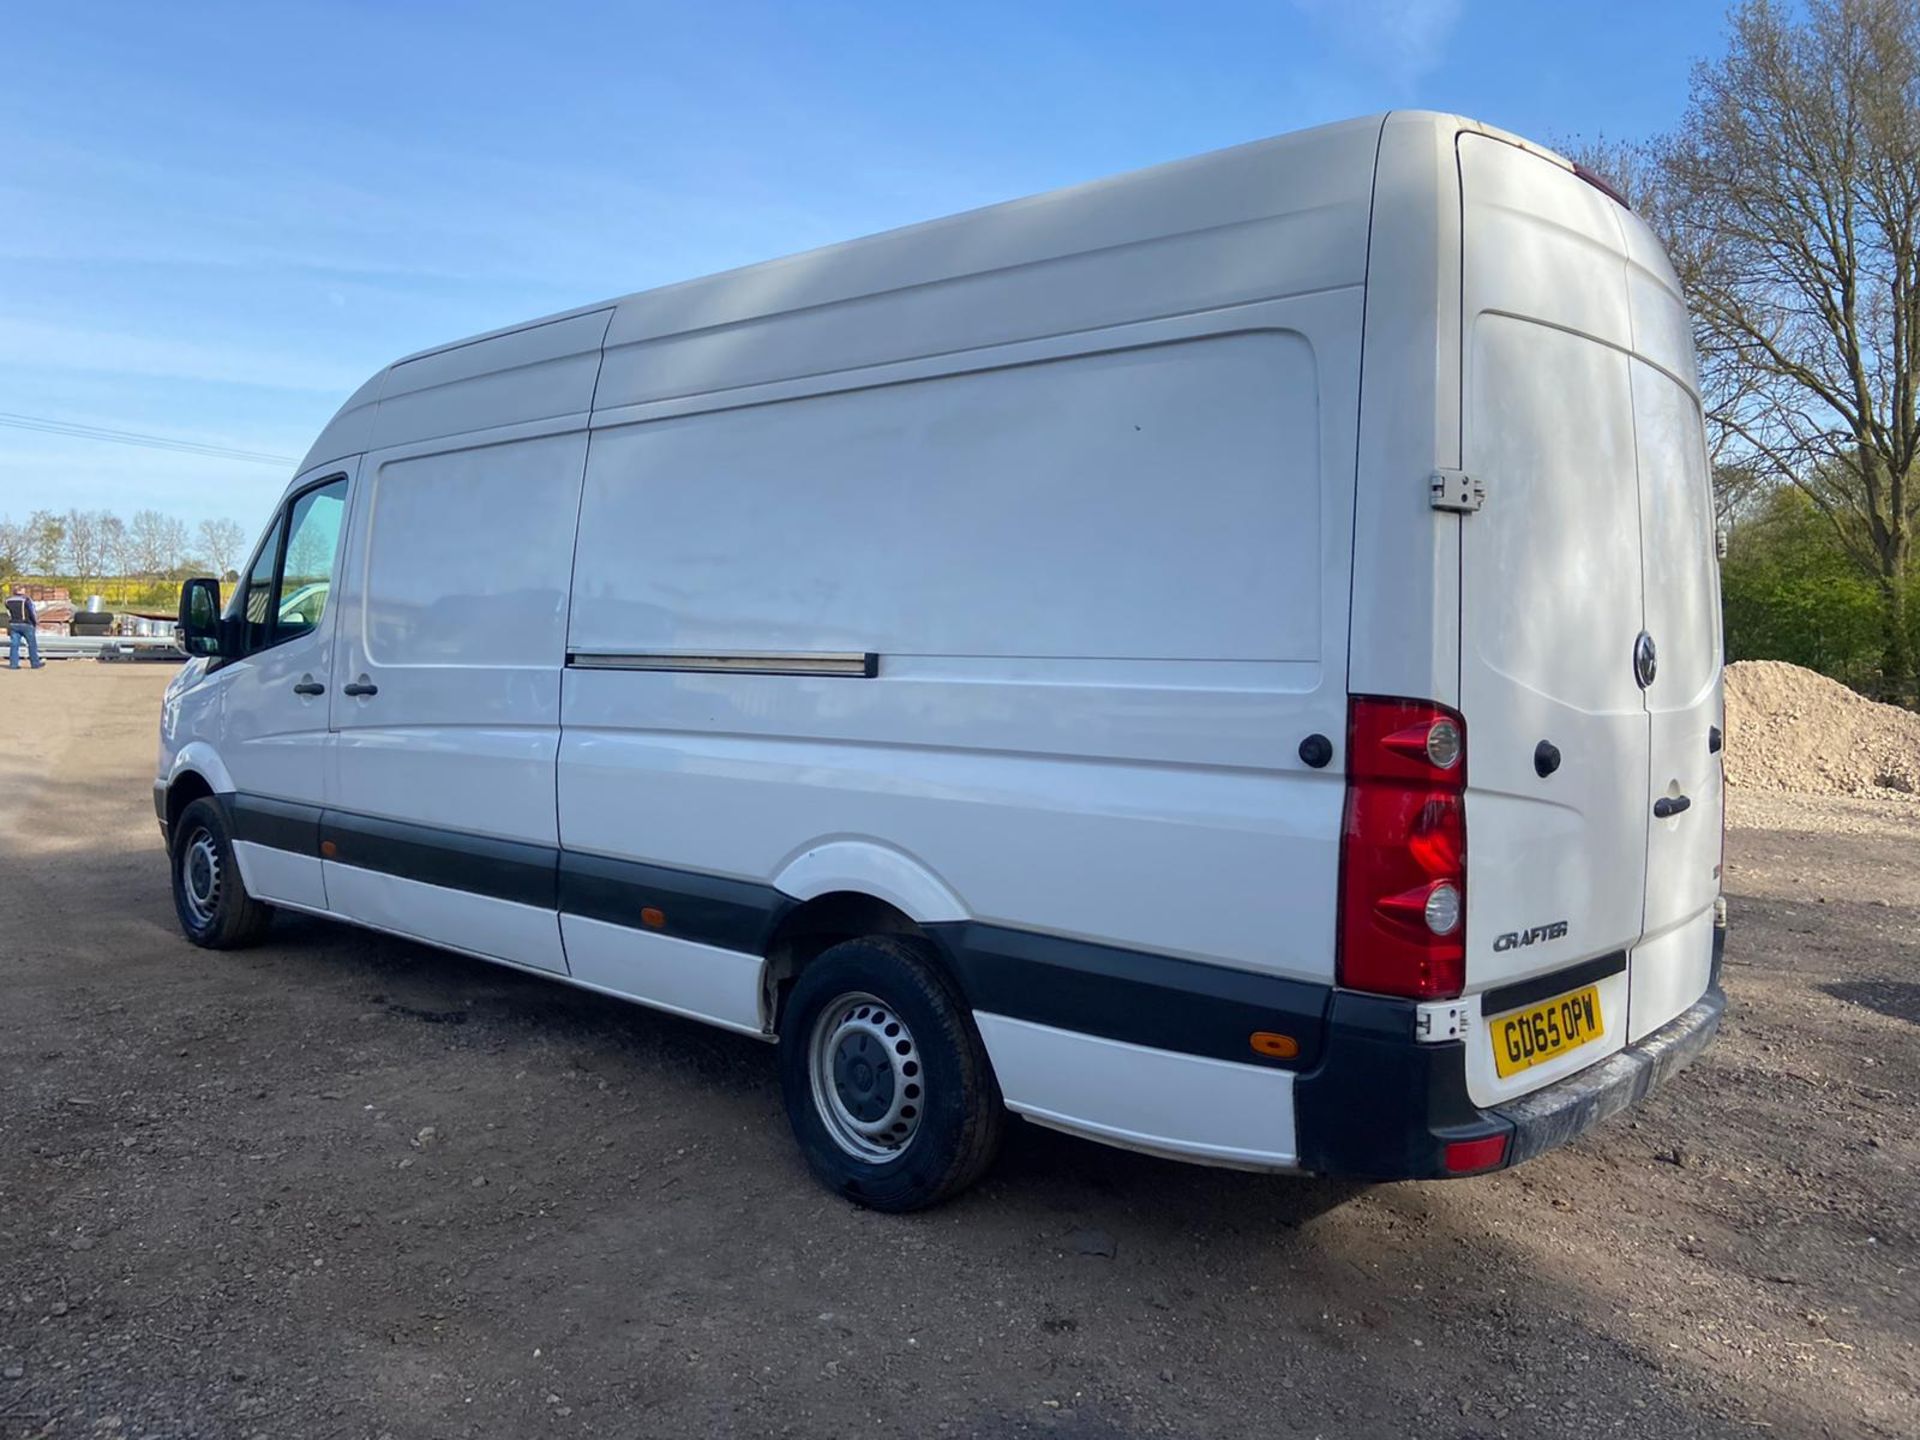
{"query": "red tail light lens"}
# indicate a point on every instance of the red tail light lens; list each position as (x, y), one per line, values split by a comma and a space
(1464, 1157)
(1403, 854)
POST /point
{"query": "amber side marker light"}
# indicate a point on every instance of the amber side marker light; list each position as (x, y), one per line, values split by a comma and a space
(328, 849)
(653, 919)
(1275, 1046)
(1465, 1157)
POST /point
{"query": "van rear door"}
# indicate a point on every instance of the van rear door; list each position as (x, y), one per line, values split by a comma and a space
(1590, 635)
(1672, 964)
(1582, 449)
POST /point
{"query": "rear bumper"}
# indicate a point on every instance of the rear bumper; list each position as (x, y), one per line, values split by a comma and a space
(1382, 1107)
(1553, 1116)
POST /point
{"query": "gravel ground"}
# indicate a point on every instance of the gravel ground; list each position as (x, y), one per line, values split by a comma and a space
(346, 1186)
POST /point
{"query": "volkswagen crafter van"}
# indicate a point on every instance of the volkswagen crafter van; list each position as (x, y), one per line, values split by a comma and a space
(1224, 661)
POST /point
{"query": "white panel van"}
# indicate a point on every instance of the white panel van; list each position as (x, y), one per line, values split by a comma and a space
(1224, 661)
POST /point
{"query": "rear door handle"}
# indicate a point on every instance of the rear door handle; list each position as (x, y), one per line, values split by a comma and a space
(359, 687)
(1665, 808)
(309, 686)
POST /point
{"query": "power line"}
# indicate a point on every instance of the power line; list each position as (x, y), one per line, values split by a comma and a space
(135, 438)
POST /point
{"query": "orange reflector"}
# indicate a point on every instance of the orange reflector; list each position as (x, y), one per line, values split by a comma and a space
(653, 919)
(1279, 1047)
(328, 849)
(1463, 1157)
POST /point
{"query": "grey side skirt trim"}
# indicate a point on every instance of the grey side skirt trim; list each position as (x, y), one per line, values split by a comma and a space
(504, 869)
(1160, 1001)
(276, 824)
(712, 909)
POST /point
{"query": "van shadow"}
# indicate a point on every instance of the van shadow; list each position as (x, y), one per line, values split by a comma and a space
(1898, 999)
(462, 1004)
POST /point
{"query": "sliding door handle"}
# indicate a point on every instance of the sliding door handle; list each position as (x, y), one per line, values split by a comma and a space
(362, 686)
(1666, 808)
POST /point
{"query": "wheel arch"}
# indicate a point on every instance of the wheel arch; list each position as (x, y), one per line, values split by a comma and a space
(871, 868)
(847, 888)
(186, 787)
(815, 926)
(199, 760)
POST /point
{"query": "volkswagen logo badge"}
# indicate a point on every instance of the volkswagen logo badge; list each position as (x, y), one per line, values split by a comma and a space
(1645, 661)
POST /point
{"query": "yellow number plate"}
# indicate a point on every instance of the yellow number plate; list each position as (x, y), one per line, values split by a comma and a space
(1524, 1038)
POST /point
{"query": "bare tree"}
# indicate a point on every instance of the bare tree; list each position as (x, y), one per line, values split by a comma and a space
(173, 544)
(221, 542)
(147, 551)
(77, 542)
(1740, 495)
(115, 550)
(90, 545)
(87, 558)
(1638, 171)
(156, 543)
(1790, 198)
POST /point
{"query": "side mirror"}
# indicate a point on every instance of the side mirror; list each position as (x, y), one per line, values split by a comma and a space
(200, 616)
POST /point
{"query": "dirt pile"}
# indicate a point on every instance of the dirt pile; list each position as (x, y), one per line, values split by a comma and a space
(1793, 729)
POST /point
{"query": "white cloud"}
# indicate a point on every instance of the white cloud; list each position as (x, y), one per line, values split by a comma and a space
(1406, 39)
(36, 345)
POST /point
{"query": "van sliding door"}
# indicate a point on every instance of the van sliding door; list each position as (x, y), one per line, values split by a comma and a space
(446, 696)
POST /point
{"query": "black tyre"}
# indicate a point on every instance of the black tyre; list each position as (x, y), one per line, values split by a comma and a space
(887, 1084)
(214, 908)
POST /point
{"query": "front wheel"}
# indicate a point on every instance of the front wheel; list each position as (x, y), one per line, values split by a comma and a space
(886, 1081)
(214, 908)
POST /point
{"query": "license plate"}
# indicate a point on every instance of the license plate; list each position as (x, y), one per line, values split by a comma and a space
(1525, 1038)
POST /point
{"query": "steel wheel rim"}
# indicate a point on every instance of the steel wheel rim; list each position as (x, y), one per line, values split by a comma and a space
(200, 876)
(869, 1086)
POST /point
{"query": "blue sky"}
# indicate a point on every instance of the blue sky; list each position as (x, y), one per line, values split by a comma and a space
(216, 220)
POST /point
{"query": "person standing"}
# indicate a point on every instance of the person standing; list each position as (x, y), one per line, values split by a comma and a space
(23, 623)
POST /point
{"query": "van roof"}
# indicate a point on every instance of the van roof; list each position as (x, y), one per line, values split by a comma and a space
(1009, 233)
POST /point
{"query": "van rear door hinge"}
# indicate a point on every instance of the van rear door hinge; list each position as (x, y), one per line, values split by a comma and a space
(1439, 1020)
(1456, 490)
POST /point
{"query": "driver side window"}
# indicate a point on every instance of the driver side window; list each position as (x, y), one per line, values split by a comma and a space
(286, 589)
(313, 537)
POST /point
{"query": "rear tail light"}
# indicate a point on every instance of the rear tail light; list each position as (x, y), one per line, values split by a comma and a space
(1403, 850)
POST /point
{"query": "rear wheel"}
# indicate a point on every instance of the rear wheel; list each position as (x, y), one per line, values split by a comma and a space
(886, 1082)
(214, 908)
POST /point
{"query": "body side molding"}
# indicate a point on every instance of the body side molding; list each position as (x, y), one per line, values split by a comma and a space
(1162, 1002)
(860, 664)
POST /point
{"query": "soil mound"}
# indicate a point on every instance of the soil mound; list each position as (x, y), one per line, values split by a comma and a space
(1793, 729)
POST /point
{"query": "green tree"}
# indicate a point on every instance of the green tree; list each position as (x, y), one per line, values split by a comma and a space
(1791, 197)
(13, 548)
(46, 541)
(1791, 591)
